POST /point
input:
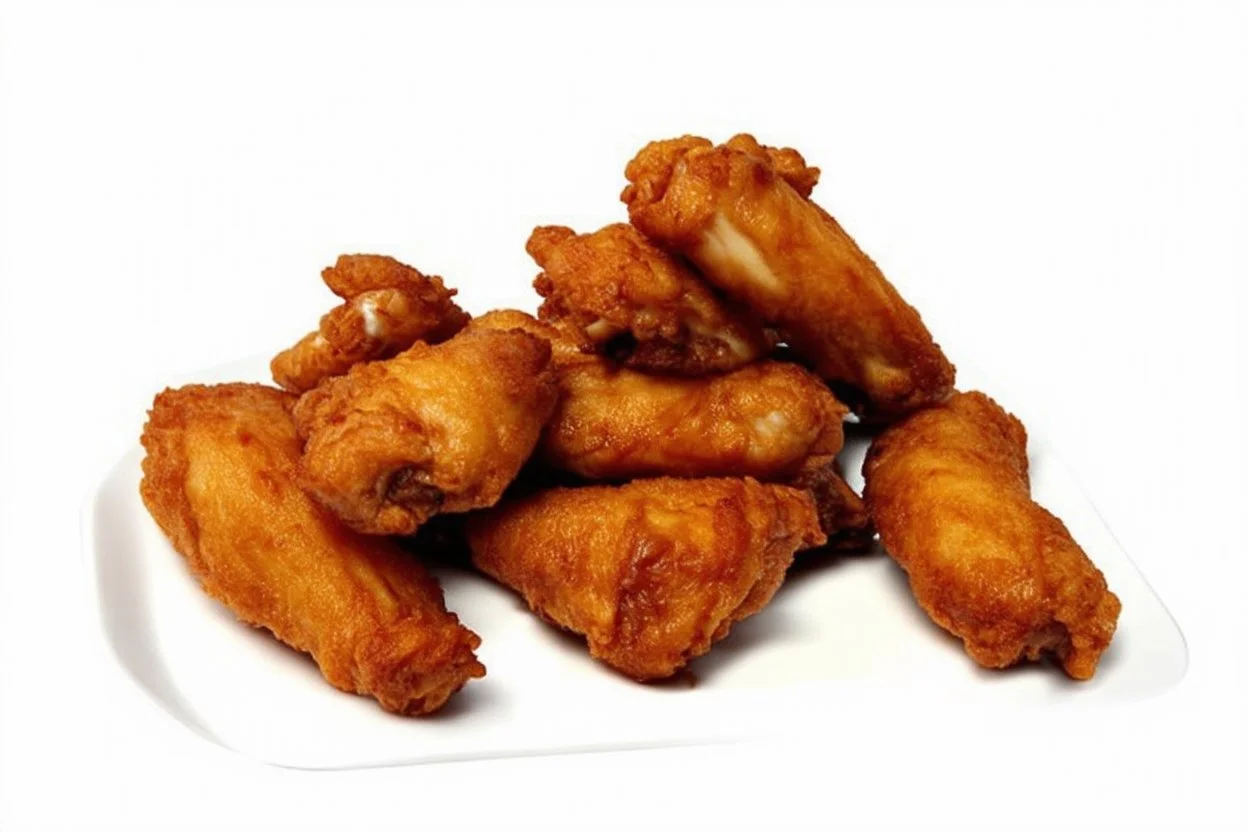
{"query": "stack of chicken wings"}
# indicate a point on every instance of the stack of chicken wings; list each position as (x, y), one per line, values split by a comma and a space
(641, 461)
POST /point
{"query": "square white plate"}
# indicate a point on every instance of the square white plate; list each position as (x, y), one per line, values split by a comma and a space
(842, 633)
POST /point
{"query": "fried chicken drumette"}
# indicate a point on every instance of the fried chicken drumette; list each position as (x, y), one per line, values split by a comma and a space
(219, 479)
(435, 429)
(387, 306)
(949, 492)
(652, 573)
(639, 304)
(740, 212)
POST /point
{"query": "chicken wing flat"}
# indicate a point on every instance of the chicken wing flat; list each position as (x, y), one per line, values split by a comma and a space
(652, 573)
(435, 429)
(640, 304)
(219, 479)
(767, 420)
(386, 308)
(949, 491)
(740, 213)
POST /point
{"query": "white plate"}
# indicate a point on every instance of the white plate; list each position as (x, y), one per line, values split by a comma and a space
(843, 636)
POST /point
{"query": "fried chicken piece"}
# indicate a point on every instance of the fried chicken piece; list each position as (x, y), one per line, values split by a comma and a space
(739, 212)
(386, 308)
(219, 479)
(949, 491)
(652, 573)
(436, 429)
(766, 420)
(639, 304)
(842, 513)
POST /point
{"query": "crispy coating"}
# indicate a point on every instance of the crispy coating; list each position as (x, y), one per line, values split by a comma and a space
(436, 429)
(766, 420)
(568, 345)
(843, 515)
(219, 479)
(771, 420)
(739, 212)
(639, 304)
(652, 573)
(386, 308)
(949, 491)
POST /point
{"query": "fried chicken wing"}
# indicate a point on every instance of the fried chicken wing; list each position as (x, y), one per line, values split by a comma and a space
(740, 213)
(219, 479)
(948, 489)
(652, 573)
(436, 429)
(766, 420)
(639, 304)
(386, 308)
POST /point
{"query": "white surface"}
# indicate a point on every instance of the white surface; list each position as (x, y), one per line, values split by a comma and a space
(841, 630)
(1060, 190)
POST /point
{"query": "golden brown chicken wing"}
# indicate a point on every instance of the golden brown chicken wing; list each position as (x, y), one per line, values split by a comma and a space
(948, 490)
(219, 479)
(639, 304)
(766, 420)
(653, 572)
(386, 308)
(739, 211)
(432, 430)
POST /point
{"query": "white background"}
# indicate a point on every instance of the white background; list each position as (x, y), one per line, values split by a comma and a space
(1063, 192)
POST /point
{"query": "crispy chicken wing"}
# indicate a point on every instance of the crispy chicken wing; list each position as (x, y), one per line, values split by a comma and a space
(639, 304)
(652, 573)
(432, 430)
(740, 213)
(386, 308)
(948, 490)
(766, 420)
(219, 479)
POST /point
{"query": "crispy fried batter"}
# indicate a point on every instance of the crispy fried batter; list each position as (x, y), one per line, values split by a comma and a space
(842, 513)
(949, 491)
(771, 420)
(767, 420)
(432, 430)
(653, 572)
(219, 479)
(387, 307)
(639, 304)
(568, 345)
(739, 212)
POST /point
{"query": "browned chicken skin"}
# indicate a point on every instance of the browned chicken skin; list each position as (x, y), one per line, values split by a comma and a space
(639, 304)
(386, 308)
(767, 420)
(652, 573)
(219, 479)
(771, 420)
(432, 430)
(740, 212)
(949, 492)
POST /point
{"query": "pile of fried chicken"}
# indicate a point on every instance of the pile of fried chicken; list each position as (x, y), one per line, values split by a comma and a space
(641, 461)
